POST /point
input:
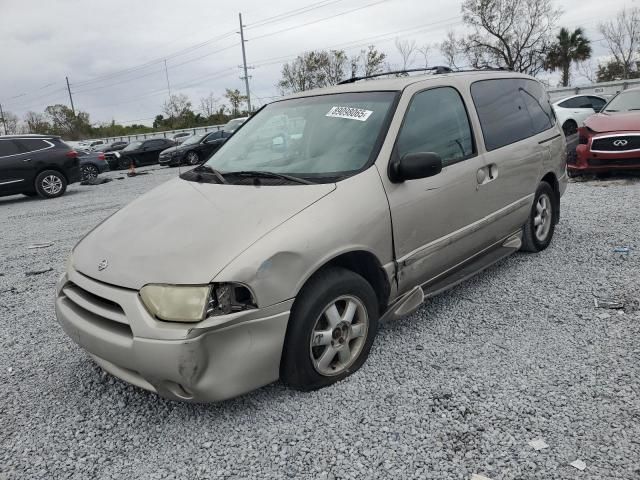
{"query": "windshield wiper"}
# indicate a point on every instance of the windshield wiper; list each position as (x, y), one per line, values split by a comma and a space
(263, 174)
(209, 169)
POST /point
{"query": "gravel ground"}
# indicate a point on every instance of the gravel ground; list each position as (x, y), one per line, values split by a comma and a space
(518, 353)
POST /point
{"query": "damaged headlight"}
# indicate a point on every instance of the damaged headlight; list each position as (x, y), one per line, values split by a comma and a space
(176, 303)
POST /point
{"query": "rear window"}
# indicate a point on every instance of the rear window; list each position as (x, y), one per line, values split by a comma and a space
(510, 110)
(9, 147)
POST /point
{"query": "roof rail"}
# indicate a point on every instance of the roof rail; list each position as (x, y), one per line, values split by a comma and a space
(437, 70)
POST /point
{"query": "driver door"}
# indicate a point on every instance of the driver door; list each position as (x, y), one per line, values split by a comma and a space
(436, 220)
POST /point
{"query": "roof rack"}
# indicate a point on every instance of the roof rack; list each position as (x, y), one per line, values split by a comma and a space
(437, 70)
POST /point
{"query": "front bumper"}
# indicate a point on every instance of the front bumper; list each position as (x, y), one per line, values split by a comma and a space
(587, 161)
(171, 161)
(213, 360)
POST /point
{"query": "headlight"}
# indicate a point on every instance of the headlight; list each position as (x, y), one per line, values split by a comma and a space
(175, 303)
(117, 154)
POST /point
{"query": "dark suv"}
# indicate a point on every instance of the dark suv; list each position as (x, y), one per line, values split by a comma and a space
(36, 165)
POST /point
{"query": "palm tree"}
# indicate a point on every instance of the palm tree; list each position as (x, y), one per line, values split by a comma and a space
(570, 47)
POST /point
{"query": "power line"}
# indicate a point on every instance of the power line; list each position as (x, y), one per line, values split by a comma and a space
(320, 20)
(292, 13)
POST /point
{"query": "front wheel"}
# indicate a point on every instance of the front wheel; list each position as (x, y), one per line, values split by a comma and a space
(540, 226)
(331, 330)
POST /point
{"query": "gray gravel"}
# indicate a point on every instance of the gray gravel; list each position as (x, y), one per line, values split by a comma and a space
(518, 353)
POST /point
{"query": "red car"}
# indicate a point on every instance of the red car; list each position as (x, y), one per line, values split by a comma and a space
(610, 140)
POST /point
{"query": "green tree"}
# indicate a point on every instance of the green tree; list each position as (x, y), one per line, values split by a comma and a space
(235, 100)
(569, 48)
(64, 123)
(613, 70)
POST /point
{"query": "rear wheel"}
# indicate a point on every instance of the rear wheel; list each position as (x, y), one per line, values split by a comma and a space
(50, 184)
(540, 226)
(569, 128)
(331, 330)
(89, 172)
(125, 162)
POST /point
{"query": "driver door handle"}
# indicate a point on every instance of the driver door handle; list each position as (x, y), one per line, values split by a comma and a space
(487, 174)
(26, 159)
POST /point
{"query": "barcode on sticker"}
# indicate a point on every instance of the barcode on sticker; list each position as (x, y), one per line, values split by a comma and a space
(349, 112)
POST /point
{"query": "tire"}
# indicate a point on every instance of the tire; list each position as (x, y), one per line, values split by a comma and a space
(308, 367)
(192, 158)
(538, 237)
(125, 162)
(569, 128)
(50, 184)
(89, 172)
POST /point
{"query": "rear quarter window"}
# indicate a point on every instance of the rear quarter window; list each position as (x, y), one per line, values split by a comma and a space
(34, 144)
(510, 110)
(9, 147)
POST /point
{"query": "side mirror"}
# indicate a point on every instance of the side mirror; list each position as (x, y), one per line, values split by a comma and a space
(413, 166)
(597, 109)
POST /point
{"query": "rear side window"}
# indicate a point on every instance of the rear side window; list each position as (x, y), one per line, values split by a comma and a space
(510, 110)
(154, 143)
(214, 136)
(436, 121)
(33, 144)
(576, 102)
(9, 147)
(538, 106)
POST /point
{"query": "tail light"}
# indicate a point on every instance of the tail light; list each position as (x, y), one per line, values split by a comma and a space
(72, 154)
(101, 156)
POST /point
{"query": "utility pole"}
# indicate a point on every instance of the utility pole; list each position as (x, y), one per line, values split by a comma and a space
(166, 72)
(244, 64)
(4, 122)
(70, 97)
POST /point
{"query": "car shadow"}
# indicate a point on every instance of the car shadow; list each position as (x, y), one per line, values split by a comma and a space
(20, 198)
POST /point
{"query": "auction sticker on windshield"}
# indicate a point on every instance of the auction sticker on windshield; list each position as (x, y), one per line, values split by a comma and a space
(349, 112)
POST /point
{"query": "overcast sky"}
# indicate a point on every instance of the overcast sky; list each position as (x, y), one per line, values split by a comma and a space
(113, 51)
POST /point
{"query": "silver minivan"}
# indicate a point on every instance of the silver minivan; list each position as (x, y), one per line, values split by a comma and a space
(325, 213)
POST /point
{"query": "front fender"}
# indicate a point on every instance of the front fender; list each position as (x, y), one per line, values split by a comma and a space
(354, 218)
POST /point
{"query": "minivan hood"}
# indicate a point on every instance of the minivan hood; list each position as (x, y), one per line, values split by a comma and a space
(185, 232)
(614, 121)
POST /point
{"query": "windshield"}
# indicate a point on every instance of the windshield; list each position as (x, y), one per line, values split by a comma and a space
(132, 146)
(322, 136)
(194, 139)
(624, 102)
(233, 125)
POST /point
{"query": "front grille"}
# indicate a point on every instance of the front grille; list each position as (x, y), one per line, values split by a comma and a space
(101, 311)
(616, 144)
(598, 162)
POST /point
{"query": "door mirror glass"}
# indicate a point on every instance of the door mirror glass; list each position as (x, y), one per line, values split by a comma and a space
(413, 166)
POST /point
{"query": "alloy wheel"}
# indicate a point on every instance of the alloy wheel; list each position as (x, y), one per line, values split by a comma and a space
(51, 184)
(339, 335)
(543, 218)
(192, 158)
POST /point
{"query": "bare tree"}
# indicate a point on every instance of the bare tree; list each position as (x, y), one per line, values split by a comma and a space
(509, 33)
(622, 35)
(335, 67)
(408, 51)
(209, 105)
(451, 50)
(425, 52)
(36, 123)
(177, 105)
(587, 70)
(10, 123)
